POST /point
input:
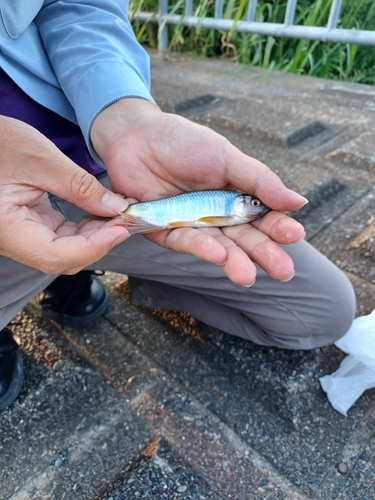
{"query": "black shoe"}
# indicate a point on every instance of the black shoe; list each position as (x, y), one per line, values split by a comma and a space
(11, 369)
(74, 300)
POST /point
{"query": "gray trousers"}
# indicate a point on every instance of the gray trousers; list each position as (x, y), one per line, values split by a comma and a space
(314, 309)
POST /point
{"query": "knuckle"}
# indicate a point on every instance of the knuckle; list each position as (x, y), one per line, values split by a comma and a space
(83, 185)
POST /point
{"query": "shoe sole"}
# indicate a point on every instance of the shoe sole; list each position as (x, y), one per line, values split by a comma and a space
(73, 321)
(16, 383)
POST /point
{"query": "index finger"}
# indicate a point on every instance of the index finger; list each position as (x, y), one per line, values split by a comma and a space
(253, 177)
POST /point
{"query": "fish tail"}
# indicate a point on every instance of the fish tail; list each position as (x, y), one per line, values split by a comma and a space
(134, 225)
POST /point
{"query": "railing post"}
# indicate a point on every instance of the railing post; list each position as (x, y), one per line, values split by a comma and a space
(188, 8)
(290, 11)
(219, 9)
(251, 11)
(334, 14)
(163, 27)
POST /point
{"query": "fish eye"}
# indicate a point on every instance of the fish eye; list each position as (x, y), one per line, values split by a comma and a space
(255, 202)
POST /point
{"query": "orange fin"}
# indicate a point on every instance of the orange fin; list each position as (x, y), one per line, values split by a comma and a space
(208, 221)
(180, 223)
(215, 220)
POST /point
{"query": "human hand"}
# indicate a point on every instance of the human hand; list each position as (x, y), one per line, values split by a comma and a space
(150, 154)
(33, 233)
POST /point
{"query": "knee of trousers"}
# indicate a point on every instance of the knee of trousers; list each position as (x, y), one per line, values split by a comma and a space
(317, 319)
(332, 315)
(321, 301)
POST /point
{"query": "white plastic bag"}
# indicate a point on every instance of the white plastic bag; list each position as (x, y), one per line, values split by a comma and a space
(357, 371)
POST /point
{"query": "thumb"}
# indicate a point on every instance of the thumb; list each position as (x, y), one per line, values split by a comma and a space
(77, 186)
(38, 162)
(85, 191)
(64, 178)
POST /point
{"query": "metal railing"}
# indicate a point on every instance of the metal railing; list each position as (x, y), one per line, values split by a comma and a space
(329, 33)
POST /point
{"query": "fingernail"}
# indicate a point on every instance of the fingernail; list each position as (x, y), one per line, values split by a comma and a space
(305, 200)
(288, 279)
(114, 202)
(303, 237)
(251, 284)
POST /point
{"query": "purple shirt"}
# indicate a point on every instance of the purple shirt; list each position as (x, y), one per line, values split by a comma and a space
(66, 135)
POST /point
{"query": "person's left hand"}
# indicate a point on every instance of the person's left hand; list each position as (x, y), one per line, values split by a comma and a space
(31, 231)
(150, 154)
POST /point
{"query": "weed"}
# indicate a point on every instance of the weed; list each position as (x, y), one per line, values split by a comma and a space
(338, 61)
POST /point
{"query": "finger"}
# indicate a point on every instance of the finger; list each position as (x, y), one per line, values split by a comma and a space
(212, 246)
(262, 250)
(46, 168)
(193, 242)
(85, 191)
(253, 177)
(49, 217)
(82, 250)
(280, 228)
(238, 266)
(51, 254)
(84, 228)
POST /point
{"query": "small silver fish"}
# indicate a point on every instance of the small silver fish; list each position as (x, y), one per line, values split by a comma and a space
(211, 208)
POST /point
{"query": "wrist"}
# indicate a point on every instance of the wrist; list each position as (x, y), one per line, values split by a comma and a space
(118, 119)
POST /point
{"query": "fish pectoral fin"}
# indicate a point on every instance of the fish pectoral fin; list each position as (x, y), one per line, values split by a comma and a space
(136, 225)
(208, 221)
(215, 220)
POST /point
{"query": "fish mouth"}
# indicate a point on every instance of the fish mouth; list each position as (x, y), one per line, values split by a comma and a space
(264, 211)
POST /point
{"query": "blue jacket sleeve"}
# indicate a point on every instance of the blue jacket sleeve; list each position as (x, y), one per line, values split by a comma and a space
(94, 54)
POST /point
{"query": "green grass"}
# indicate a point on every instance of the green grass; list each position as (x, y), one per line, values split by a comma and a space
(337, 61)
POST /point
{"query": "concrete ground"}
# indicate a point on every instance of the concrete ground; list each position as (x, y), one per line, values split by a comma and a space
(147, 404)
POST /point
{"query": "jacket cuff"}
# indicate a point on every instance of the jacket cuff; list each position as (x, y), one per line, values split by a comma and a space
(105, 83)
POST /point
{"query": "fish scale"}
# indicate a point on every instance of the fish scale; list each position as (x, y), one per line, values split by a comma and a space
(185, 206)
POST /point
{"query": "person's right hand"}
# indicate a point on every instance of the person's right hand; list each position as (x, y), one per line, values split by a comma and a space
(31, 231)
(150, 154)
